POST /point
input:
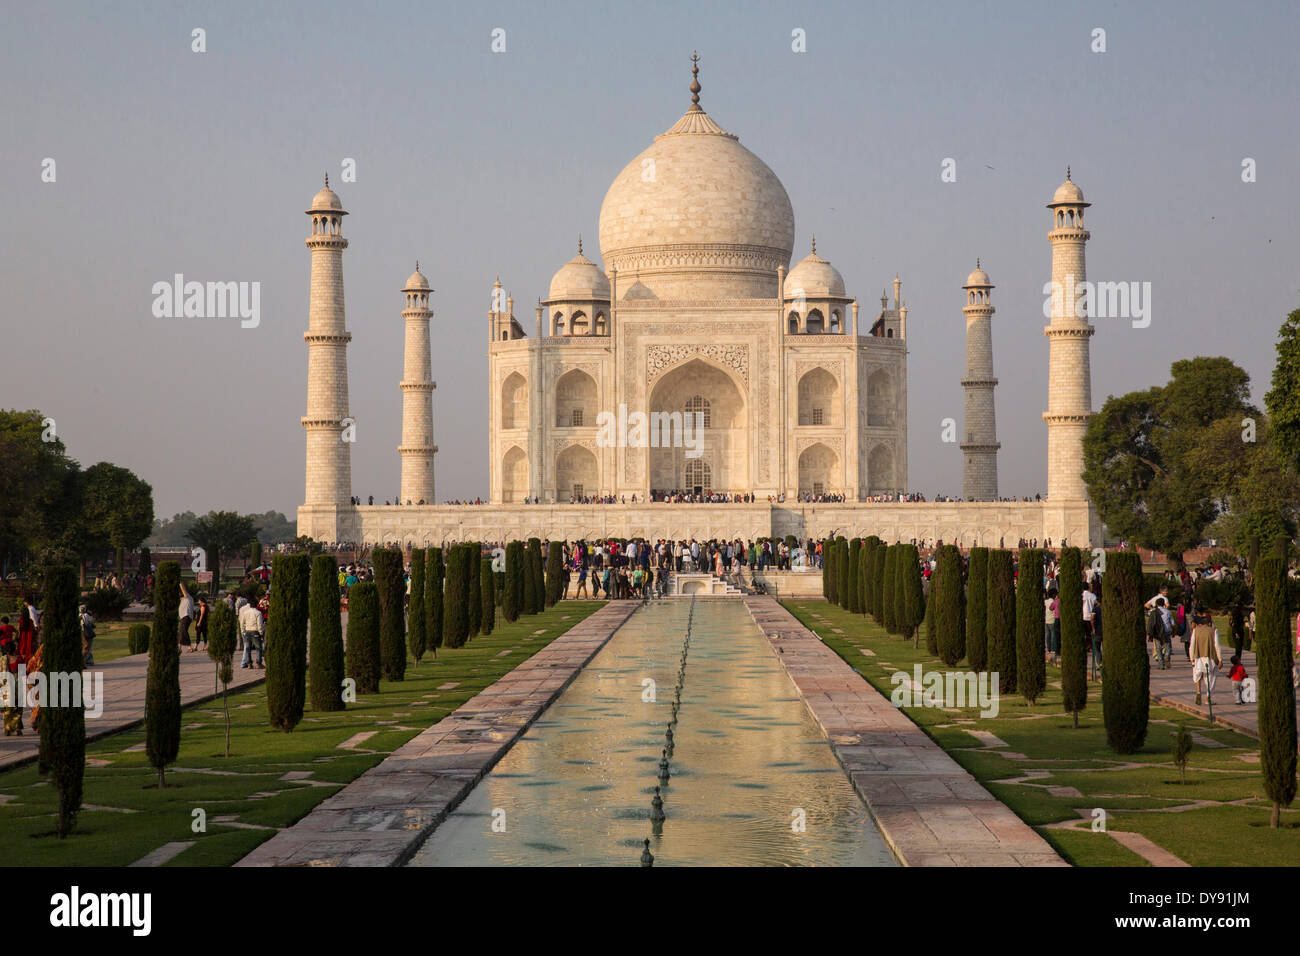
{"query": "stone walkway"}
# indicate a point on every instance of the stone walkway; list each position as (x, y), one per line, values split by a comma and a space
(1174, 687)
(382, 817)
(930, 811)
(124, 692)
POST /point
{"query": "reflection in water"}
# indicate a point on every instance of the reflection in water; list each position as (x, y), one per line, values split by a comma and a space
(577, 789)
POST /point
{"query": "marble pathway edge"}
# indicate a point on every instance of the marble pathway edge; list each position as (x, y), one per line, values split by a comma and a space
(385, 815)
(930, 811)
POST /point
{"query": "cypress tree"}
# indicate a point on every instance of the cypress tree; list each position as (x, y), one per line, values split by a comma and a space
(878, 584)
(137, 639)
(63, 727)
(891, 588)
(842, 573)
(1273, 657)
(487, 597)
(146, 560)
(473, 594)
(433, 572)
(221, 649)
(950, 606)
(977, 609)
(1031, 660)
(1074, 654)
(363, 653)
(931, 631)
(855, 572)
(455, 620)
(913, 592)
(286, 640)
(864, 576)
(1001, 629)
(326, 656)
(531, 602)
(900, 590)
(827, 561)
(1125, 700)
(512, 591)
(119, 566)
(162, 721)
(392, 622)
(554, 572)
(255, 553)
(416, 620)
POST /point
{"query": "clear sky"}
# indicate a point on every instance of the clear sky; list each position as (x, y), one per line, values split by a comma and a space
(479, 163)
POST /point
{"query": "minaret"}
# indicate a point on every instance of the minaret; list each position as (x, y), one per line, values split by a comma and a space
(980, 449)
(1069, 375)
(329, 461)
(417, 448)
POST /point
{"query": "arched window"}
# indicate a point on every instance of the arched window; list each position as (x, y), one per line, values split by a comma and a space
(794, 323)
(578, 324)
(600, 323)
(699, 404)
(816, 322)
(559, 323)
(835, 321)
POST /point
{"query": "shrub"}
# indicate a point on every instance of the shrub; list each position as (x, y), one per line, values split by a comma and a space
(326, 657)
(392, 614)
(1074, 643)
(63, 728)
(363, 655)
(913, 593)
(162, 721)
(106, 603)
(1273, 657)
(455, 622)
(842, 572)
(137, 639)
(513, 591)
(554, 572)
(1125, 701)
(828, 570)
(1182, 750)
(221, 650)
(433, 599)
(1031, 660)
(855, 572)
(535, 586)
(950, 606)
(891, 588)
(878, 585)
(977, 609)
(487, 597)
(1001, 629)
(473, 599)
(146, 560)
(286, 640)
(416, 626)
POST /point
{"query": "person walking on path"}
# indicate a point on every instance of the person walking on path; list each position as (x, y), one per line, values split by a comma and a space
(201, 624)
(1204, 649)
(1237, 622)
(185, 614)
(250, 627)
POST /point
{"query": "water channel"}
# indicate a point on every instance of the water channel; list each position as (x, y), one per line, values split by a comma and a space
(749, 762)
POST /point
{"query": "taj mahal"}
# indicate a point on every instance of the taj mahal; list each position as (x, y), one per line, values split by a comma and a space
(695, 315)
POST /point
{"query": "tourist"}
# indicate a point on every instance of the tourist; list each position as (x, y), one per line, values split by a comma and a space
(201, 624)
(87, 621)
(1158, 633)
(1237, 624)
(1095, 591)
(251, 624)
(1052, 626)
(184, 614)
(1237, 674)
(1204, 648)
(582, 583)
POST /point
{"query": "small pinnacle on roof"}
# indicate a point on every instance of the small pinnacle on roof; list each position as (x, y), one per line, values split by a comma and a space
(417, 265)
(579, 243)
(695, 80)
(977, 262)
(814, 243)
(1067, 174)
(327, 180)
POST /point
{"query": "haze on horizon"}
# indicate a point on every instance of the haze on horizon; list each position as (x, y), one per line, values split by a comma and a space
(478, 163)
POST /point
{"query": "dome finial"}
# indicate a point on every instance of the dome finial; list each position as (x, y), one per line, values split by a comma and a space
(695, 80)
(579, 243)
(327, 180)
(814, 243)
(1067, 174)
(977, 262)
(417, 265)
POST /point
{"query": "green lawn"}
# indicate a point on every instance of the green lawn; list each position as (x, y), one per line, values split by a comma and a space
(1222, 814)
(246, 797)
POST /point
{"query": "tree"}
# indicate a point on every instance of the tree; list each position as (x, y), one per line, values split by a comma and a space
(1031, 660)
(1125, 693)
(325, 659)
(162, 720)
(554, 572)
(473, 604)
(878, 584)
(146, 560)
(1001, 629)
(1283, 399)
(1074, 649)
(392, 619)
(255, 553)
(1273, 657)
(891, 589)
(487, 596)
(863, 582)
(35, 479)
(221, 650)
(455, 622)
(1138, 451)
(828, 576)
(535, 589)
(931, 630)
(977, 609)
(415, 622)
(286, 639)
(433, 599)
(842, 572)
(1182, 749)
(218, 533)
(117, 508)
(855, 572)
(363, 653)
(913, 592)
(950, 606)
(63, 725)
(512, 594)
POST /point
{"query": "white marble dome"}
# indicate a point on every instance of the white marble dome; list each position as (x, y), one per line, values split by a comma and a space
(697, 215)
(814, 278)
(1067, 194)
(579, 279)
(327, 200)
(977, 279)
(417, 282)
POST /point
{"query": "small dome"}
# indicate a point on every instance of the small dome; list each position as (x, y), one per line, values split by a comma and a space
(416, 282)
(1068, 194)
(814, 277)
(579, 279)
(978, 279)
(327, 200)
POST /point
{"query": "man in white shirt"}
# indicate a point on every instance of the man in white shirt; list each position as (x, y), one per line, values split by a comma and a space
(250, 627)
